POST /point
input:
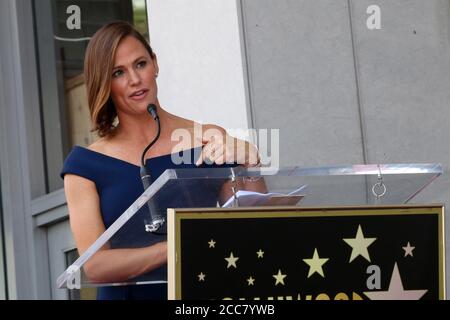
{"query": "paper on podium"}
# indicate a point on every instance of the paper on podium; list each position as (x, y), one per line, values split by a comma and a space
(252, 198)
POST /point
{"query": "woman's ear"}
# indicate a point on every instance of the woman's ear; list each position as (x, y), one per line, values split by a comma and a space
(155, 64)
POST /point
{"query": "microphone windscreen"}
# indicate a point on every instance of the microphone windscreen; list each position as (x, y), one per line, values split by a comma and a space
(151, 108)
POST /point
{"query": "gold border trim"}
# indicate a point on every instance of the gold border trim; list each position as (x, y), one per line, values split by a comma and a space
(176, 215)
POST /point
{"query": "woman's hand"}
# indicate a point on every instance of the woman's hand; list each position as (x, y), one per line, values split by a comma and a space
(221, 148)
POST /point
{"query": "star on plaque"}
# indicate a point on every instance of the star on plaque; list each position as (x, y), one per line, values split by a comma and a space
(408, 250)
(251, 281)
(396, 290)
(359, 245)
(279, 277)
(201, 276)
(260, 253)
(212, 243)
(315, 264)
(231, 260)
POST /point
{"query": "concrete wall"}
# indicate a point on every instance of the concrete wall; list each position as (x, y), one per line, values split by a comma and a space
(345, 94)
(302, 79)
(404, 81)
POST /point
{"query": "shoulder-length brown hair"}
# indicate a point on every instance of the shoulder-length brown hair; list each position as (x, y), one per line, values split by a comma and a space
(98, 66)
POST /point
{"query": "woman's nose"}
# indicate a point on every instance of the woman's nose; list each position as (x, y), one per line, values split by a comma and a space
(134, 78)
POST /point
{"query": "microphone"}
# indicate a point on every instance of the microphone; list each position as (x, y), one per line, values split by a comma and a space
(156, 220)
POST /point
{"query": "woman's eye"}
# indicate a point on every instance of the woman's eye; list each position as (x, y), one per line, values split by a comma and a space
(117, 73)
(141, 64)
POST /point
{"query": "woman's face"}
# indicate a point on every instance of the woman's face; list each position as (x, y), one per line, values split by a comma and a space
(133, 84)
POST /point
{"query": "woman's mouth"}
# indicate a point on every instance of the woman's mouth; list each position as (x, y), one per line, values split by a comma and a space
(139, 95)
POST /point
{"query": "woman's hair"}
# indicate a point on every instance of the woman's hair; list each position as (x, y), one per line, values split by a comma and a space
(98, 66)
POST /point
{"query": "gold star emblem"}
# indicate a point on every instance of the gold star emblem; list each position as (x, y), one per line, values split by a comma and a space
(315, 264)
(231, 260)
(408, 250)
(279, 277)
(359, 245)
(260, 254)
(251, 281)
(212, 243)
(201, 276)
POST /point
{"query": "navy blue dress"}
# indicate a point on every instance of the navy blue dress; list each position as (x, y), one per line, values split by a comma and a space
(118, 185)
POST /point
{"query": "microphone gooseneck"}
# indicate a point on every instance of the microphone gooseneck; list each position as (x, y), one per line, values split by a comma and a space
(151, 108)
(156, 220)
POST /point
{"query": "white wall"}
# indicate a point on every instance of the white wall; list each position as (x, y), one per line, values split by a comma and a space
(199, 54)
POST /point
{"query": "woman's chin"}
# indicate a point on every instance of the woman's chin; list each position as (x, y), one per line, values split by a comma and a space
(140, 106)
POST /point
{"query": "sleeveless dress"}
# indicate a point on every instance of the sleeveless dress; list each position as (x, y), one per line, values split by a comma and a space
(118, 185)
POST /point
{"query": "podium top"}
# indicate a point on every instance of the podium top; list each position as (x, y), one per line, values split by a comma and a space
(202, 188)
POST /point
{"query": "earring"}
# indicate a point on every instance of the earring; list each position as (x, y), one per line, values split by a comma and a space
(156, 75)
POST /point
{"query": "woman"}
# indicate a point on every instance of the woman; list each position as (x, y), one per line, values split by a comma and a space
(102, 180)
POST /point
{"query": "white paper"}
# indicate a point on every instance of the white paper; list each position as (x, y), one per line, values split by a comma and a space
(252, 198)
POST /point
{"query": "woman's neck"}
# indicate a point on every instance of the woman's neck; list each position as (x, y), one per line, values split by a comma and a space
(142, 129)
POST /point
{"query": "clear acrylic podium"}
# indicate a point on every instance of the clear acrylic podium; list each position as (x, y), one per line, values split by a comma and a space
(201, 187)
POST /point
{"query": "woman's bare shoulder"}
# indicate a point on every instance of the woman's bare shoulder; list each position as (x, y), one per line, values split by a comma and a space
(181, 123)
(191, 124)
(99, 145)
(184, 123)
(210, 126)
(107, 145)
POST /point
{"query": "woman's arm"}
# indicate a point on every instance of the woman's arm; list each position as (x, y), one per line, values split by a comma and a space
(256, 184)
(123, 264)
(226, 191)
(220, 148)
(86, 222)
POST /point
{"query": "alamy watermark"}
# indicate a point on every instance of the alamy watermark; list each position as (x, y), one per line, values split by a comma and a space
(373, 22)
(74, 20)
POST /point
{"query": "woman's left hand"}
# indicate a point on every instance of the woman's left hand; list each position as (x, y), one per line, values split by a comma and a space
(223, 148)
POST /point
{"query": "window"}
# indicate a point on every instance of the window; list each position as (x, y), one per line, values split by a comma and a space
(63, 29)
